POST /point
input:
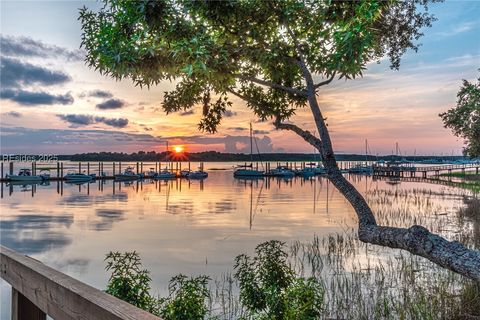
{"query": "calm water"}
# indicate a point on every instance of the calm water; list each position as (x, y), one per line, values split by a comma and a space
(181, 226)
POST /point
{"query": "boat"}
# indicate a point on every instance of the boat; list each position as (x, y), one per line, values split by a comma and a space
(165, 174)
(247, 170)
(79, 182)
(319, 169)
(199, 174)
(77, 177)
(128, 174)
(184, 173)
(151, 173)
(45, 174)
(306, 172)
(282, 171)
(310, 169)
(23, 175)
(24, 183)
(249, 178)
(361, 169)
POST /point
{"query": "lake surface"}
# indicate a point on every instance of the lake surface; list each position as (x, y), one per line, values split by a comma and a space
(195, 227)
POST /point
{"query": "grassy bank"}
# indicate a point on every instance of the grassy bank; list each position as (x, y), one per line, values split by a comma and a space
(470, 175)
(467, 180)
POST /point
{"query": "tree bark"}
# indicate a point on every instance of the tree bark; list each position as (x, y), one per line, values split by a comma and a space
(417, 240)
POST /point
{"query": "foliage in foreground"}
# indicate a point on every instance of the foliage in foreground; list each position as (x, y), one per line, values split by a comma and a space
(128, 281)
(268, 285)
(187, 296)
(269, 288)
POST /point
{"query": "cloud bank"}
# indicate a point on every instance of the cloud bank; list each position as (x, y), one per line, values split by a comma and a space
(28, 98)
(84, 120)
(15, 73)
(111, 104)
(28, 47)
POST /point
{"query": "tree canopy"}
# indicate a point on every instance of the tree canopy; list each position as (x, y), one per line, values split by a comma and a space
(464, 118)
(246, 48)
(271, 55)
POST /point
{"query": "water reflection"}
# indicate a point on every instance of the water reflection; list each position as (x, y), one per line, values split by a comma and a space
(199, 226)
(106, 219)
(32, 234)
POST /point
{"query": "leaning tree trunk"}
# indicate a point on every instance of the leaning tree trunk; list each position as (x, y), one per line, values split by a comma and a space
(416, 239)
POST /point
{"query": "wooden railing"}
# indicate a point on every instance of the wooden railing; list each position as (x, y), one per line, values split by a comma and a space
(429, 168)
(38, 290)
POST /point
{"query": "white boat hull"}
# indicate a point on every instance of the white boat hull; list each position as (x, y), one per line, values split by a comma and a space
(247, 173)
(197, 175)
(165, 176)
(78, 177)
(127, 177)
(14, 177)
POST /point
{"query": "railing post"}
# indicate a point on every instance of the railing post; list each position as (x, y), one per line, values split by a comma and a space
(24, 309)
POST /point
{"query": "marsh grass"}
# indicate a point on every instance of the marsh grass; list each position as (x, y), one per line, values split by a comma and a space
(468, 180)
(363, 281)
(357, 280)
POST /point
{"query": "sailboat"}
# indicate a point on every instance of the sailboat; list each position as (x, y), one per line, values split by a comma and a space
(165, 173)
(362, 169)
(247, 170)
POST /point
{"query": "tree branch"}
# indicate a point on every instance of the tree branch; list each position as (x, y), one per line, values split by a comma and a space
(306, 135)
(416, 239)
(262, 82)
(323, 83)
(239, 95)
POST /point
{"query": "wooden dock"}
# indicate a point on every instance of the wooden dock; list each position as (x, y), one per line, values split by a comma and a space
(411, 171)
(38, 291)
(108, 170)
(431, 180)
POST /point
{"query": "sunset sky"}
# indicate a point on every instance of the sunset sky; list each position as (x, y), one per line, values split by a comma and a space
(52, 103)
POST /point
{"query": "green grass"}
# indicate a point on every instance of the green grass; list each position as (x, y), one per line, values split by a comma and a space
(469, 180)
(466, 174)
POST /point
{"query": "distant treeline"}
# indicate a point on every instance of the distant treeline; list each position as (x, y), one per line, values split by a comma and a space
(211, 156)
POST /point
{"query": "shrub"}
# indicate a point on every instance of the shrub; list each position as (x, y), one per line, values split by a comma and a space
(187, 299)
(269, 288)
(129, 282)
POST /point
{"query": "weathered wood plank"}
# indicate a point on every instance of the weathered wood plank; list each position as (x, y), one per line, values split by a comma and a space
(60, 296)
(24, 309)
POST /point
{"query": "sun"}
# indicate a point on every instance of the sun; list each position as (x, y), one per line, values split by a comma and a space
(178, 149)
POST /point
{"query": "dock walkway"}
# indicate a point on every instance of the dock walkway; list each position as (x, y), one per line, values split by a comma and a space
(402, 171)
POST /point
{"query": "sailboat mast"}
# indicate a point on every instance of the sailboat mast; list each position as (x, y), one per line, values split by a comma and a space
(166, 153)
(366, 150)
(251, 143)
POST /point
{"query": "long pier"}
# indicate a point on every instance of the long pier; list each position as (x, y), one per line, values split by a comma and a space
(103, 170)
(411, 171)
(108, 170)
(434, 180)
